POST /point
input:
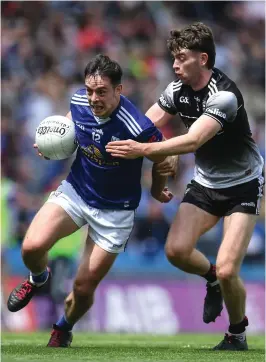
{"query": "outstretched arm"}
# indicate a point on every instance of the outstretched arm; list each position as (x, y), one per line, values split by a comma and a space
(158, 116)
(199, 133)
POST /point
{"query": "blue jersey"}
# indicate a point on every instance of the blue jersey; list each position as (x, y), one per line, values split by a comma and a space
(102, 181)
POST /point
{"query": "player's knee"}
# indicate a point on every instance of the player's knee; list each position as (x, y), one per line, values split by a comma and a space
(81, 291)
(84, 288)
(32, 248)
(175, 253)
(226, 272)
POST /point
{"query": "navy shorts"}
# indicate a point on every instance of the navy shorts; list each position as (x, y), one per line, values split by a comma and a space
(243, 198)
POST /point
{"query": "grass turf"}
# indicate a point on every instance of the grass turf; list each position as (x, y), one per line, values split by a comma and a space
(126, 348)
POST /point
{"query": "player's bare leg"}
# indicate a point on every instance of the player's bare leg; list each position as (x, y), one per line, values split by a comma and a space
(50, 224)
(238, 229)
(95, 264)
(189, 224)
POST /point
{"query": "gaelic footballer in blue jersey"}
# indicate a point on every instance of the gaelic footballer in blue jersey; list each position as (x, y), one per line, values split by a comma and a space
(102, 181)
(100, 191)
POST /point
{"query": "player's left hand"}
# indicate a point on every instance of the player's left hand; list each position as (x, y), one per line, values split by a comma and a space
(127, 149)
(164, 197)
(168, 167)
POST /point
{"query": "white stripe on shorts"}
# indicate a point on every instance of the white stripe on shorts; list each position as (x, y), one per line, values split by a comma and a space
(260, 194)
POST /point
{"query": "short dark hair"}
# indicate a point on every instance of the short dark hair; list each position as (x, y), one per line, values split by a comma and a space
(197, 37)
(105, 67)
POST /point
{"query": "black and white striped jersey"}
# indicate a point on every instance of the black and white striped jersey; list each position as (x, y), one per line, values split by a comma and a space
(232, 156)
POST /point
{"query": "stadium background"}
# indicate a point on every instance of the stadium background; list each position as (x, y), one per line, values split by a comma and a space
(45, 47)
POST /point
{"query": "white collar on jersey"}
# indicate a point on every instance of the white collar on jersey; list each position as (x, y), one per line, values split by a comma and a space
(101, 120)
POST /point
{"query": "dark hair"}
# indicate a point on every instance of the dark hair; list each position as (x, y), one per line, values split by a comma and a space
(197, 37)
(105, 67)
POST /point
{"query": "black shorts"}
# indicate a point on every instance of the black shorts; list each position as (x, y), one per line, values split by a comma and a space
(243, 198)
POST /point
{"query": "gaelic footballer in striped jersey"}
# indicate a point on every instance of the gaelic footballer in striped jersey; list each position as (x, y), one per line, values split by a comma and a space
(221, 100)
(100, 191)
(100, 179)
(228, 179)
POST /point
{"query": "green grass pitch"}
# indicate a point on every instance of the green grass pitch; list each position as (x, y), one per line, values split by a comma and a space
(126, 348)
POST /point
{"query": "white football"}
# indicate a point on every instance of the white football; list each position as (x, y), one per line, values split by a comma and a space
(55, 137)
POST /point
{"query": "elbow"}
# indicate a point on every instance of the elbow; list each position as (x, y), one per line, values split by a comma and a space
(194, 145)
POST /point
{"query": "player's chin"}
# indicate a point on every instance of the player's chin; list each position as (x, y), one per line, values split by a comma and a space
(99, 111)
(185, 80)
(99, 114)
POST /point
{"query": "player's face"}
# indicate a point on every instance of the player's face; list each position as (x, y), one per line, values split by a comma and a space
(189, 64)
(103, 97)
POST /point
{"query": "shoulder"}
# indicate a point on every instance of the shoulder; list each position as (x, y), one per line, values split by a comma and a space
(172, 88)
(225, 101)
(222, 105)
(168, 97)
(226, 88)
(129, 113)
(134, 120)
(224, 83)
(80, 97)
(224, 97)
(80, 92)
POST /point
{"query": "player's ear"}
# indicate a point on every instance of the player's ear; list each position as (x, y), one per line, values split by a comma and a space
(118, 89)
(203, 59)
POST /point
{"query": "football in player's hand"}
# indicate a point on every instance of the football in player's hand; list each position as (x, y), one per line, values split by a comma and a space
(55, 137)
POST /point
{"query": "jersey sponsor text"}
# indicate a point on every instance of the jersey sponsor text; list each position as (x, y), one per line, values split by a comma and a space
(216, 112)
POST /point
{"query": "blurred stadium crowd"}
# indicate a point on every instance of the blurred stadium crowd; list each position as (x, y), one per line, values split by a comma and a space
(45, 47)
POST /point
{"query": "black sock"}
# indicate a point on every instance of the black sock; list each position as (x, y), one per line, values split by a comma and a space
(238, 328)
(210, 276)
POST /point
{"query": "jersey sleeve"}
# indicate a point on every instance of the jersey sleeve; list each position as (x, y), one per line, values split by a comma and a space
(150, 134)
(166, 100)
(138, 126)
(222, 106)
(79, 103)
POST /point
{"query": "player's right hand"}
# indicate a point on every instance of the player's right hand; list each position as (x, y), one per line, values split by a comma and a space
(164, 196)
(39, 153)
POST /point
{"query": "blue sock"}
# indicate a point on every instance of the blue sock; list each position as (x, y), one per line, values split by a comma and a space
(40, 278)
(62, 323)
